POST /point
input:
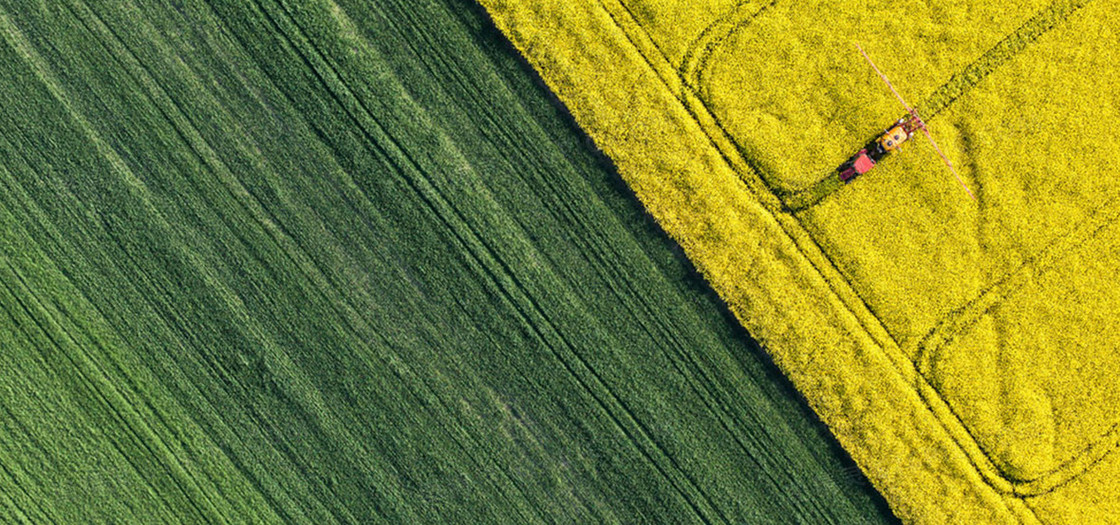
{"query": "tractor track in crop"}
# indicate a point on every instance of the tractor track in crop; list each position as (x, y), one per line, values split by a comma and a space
(700, 50)
(956, 87)
(1008, 48)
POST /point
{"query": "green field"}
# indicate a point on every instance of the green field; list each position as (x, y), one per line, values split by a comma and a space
(317, 262)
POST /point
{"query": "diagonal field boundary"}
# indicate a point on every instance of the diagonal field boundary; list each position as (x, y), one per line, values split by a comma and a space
(659, 64)
(1039, 24)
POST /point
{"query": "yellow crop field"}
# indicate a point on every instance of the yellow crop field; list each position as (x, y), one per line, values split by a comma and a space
(963, 350)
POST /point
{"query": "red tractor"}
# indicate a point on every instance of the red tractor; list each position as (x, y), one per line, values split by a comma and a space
(892, 139)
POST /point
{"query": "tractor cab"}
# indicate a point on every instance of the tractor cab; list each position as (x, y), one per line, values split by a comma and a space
(893, 138)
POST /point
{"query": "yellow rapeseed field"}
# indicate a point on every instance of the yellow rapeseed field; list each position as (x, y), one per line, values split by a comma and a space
(964, 351)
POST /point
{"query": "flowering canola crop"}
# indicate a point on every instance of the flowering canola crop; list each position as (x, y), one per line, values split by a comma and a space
(962, 350)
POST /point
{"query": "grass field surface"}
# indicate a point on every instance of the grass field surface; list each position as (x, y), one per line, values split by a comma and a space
(963, 350)
(346, 262)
